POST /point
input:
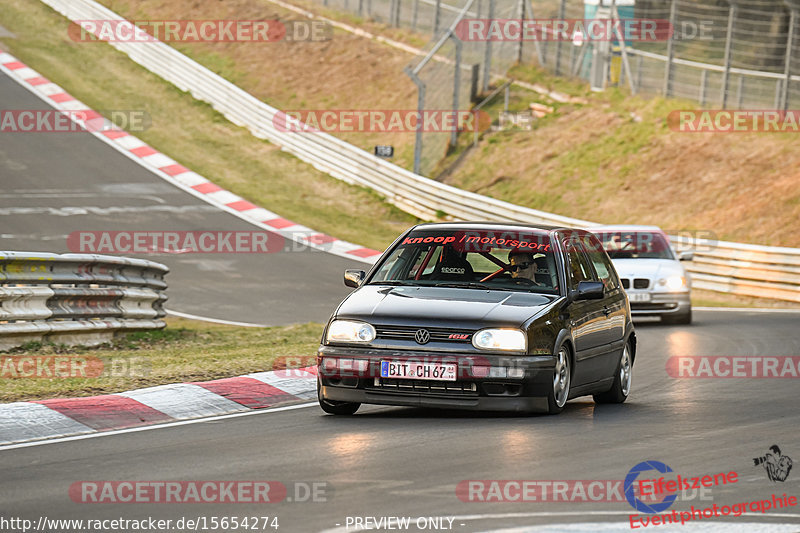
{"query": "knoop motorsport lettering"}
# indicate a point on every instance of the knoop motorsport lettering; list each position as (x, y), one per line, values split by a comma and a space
(475, 241)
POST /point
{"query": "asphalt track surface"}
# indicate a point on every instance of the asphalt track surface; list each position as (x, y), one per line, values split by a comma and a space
(52, 184)
(407, 462)
(383, 461)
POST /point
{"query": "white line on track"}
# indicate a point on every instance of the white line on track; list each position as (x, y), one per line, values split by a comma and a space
(158, 426)
(215, 320)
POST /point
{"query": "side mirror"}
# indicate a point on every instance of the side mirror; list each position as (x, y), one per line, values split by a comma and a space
(588, 290)
(686, 256)
(353, 278)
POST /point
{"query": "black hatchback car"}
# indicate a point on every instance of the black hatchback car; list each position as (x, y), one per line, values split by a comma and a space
(480, 316)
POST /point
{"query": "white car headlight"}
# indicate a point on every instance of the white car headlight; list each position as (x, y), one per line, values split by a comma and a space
(350, 331)
(673, 282)
(500, 339)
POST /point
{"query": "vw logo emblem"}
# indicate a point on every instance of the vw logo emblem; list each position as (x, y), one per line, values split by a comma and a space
(422, 336)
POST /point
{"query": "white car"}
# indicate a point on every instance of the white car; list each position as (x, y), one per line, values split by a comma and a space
(656, 282)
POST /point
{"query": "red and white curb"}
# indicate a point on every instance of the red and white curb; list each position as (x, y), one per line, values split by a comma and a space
(48, 419)
(173, 172)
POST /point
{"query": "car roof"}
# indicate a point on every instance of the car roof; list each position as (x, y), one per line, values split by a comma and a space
(509, 226)
(626, 227)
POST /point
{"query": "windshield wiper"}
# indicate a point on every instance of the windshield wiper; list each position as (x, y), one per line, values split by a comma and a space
(469, 285)
(391, 282)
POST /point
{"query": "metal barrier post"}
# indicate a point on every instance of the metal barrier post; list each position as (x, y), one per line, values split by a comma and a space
(414, 15)
(521, 40)
(728, 43)
(456, 86)
(561, 11)
(703, 85)
(787, 70)
(420, 106)
(670, 51)
(436, 17)
(487, 56)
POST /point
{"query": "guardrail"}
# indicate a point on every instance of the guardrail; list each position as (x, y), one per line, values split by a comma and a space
(77, 298)
(727, 267)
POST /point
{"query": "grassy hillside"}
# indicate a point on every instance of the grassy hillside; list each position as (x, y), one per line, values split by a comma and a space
(610, 160)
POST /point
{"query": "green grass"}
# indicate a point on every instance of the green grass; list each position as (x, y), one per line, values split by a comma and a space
(194, 134)
(184, 351)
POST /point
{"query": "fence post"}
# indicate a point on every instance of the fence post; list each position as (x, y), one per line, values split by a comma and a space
(398, 5)
(740, 92)
(456, 87)
(414, 15)
(788, 69)
(420, 106)
(360, 8)
(639, 61)
(521, 23)
(487, 56)
(670, 50)
(436, 17)
(703, 84)
(475, 74)
(539, 53)
(561, 13)
(728, 42)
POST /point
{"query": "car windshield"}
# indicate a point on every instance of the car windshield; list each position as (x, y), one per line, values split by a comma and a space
(477, 259)
(635, 245)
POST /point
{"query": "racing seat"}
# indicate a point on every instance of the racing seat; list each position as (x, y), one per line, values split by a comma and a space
(451, 266)
(543, 272)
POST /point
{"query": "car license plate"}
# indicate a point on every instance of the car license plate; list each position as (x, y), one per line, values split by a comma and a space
(419, 370)
(639, 296)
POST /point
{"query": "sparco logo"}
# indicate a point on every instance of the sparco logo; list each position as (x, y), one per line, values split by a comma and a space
(422, 336)
(452, 270)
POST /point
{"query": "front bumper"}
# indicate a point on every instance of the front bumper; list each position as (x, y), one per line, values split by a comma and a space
(662, 303)
(471, 391)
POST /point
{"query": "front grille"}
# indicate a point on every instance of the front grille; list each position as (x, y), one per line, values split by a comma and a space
(650, 306)
(626, 283)
(406, 333)
(464, 388)
(641, 283)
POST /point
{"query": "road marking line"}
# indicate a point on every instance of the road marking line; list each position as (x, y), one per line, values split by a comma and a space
(748, 309)
(215, 320)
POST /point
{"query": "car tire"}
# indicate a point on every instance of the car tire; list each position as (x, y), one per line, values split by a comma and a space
(684, 318)
(336, 408)
(623, 379)
(562, 378)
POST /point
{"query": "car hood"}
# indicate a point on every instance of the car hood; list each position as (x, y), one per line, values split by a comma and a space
(653, 269)
(442, 306)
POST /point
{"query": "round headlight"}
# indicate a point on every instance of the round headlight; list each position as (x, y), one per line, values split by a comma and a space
(500, 339)
(350, 331)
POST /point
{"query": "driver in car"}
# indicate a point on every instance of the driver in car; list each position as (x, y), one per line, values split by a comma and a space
(522, 266)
